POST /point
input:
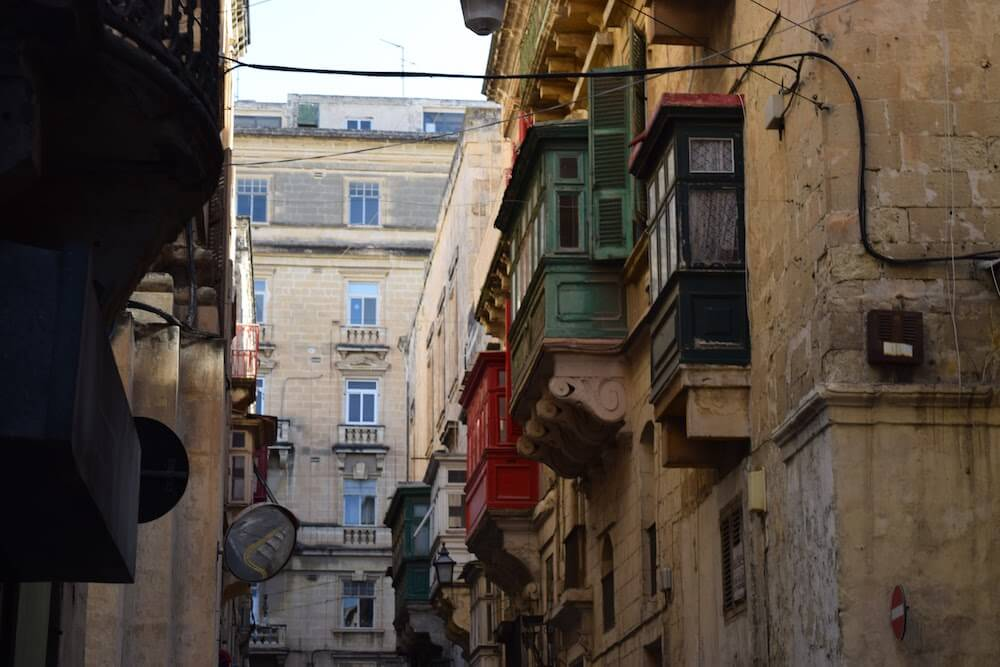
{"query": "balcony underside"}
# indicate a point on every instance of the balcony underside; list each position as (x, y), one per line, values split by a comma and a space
(573, 406)
(705, 414)
(506, 543)
(113, 149)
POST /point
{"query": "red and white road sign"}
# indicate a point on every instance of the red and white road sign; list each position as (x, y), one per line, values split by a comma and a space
(897, 612)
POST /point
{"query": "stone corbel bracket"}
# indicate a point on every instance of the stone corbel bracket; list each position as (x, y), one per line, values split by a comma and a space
(574, 422)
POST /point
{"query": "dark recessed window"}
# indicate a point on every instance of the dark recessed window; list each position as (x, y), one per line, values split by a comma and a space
(456, 477)
(653, 564)
(734, 586)
(569, 221)
(569, 168)
(607, 583)
(574, 554)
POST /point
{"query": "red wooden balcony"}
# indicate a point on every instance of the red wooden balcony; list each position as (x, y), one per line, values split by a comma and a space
(246, 351)
(498, 478)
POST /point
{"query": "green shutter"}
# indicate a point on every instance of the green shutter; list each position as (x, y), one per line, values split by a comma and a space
(610, 121)
(308, 115)
(637, 60)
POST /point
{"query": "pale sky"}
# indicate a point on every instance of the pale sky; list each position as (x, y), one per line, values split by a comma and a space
(347, 34)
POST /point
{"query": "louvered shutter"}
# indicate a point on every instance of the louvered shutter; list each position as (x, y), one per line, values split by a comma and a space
(610, 121)
(637, 61)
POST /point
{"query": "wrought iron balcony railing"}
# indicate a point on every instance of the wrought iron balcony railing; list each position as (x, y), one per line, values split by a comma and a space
(246, 355)
(182, 35)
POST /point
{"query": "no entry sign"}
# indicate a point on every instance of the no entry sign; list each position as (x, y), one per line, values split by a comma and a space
(897, 612)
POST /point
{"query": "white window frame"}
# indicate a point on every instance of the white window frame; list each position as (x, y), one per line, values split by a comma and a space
(374, 495)
(267, 197)
(373, 597)
(378, 197)
(363, 392)
(378, 302)
(261, 394)
(359, 120)
(266, 297)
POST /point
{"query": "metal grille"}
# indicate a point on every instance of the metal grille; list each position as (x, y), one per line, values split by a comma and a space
(713, 217)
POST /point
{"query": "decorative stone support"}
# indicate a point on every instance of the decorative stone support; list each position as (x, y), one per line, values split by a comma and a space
(575, 423)
(452, 604)
(506, 543)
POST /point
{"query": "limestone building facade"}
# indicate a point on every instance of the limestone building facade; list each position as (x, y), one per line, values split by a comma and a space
(341, 235)
(749, 324)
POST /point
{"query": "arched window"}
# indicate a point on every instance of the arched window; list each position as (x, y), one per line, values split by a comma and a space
(608, 583)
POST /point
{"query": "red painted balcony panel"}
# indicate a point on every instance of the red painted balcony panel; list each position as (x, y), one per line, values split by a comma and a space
(497, 477)
(246, 351)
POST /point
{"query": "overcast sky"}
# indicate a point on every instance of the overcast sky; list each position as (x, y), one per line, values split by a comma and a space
(345, 34)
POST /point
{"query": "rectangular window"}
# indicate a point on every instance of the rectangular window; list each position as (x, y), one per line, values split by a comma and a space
(359, 502)
(713, 227)
(711, 155)
(364, 204)
(550, 582)
(360, 124)
(260, 300)
(653, 560)
(362, 304)
(251, 199)
(258, 406)
(734, 591)
(358, 604)
(239, 478)
(254, 122)
(456, 477)
(362, 401)
(569, 221)
(575, 558)
(456, 510)
(441, 121)
(239, 440)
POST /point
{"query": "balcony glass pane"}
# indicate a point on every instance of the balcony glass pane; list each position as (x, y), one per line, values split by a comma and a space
(569, 221)
(568, 168)
(711, 156)
(713, 217)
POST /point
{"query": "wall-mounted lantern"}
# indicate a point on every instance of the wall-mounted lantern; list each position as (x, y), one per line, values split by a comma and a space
(483, 16)
(444, 565)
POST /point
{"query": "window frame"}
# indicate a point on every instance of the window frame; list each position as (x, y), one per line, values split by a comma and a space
(265, 297)
(362, 392)
(246, 457)
(731, 516)
(451, 495)
(344, 597)
(378, 302)
(346, 498)
(359, 121)
(364, 184)
(253, 181)
(260, 394)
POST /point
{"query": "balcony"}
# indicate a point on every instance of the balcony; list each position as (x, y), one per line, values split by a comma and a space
(568, 234)
(324, 537)
(359, 436)
(691, 159)
(246, 352)
(269, 639)
(126, 96)
(502, 487)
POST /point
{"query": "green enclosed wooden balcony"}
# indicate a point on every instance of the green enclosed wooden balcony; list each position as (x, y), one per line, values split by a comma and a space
(567, 222)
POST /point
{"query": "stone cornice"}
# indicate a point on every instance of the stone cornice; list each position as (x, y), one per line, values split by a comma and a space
(865, 404)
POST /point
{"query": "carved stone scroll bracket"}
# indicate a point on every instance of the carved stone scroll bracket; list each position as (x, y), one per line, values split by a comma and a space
(574, 424)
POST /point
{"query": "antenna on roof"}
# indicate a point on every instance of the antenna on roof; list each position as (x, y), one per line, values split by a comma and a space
(402, 64)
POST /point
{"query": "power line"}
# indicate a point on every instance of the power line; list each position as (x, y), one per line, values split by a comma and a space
(820, 36)
(680, 32)
(696, 64)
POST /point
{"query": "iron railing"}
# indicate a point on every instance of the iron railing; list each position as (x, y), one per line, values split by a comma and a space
(182, 35)
(246, 351)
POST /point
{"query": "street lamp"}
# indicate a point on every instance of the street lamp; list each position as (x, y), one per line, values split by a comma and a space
(483, 16)
(444, 565)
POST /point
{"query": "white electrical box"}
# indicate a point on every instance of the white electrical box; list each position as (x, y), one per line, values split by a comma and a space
(774, 112)
(756, 491)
